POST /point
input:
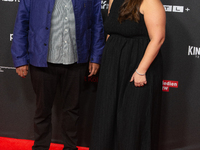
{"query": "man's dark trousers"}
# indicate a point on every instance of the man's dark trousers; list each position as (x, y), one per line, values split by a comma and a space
(70, 78)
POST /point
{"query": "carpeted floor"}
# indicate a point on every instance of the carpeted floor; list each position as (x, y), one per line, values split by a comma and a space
(21, 144)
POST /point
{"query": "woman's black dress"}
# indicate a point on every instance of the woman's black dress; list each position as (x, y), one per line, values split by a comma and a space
(126, 117)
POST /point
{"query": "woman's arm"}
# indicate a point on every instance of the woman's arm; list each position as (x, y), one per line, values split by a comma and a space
(155, 20)
(109, 7)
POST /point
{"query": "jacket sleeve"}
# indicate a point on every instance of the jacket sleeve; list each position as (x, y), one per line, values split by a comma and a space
(97, 31)
(19, 48)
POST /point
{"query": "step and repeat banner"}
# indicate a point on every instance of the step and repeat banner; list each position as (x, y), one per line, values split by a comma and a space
(180, 121)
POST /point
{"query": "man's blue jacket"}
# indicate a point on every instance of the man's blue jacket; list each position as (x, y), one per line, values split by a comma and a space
(32, 30)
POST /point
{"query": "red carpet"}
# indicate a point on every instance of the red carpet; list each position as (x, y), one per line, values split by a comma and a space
(19, 144)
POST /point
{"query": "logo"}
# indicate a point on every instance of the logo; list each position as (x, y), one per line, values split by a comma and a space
(11, 0)
(166, 84)
(11, 37)
(104, 4)
(194, 51)
(91, 79)
(177, 9)
(3, 67)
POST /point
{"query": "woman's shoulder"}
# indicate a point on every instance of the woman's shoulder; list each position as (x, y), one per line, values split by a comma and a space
(153, 5)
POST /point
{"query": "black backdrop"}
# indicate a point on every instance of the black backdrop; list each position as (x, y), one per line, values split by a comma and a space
(180, 119)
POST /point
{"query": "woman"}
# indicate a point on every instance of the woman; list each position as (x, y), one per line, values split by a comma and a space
(130, 83)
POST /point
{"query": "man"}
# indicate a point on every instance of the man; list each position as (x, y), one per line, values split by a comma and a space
(57, 38)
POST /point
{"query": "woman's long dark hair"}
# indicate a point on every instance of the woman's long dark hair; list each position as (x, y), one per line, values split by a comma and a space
(130, 10)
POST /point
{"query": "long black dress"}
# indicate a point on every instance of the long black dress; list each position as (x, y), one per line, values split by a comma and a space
(126, 117)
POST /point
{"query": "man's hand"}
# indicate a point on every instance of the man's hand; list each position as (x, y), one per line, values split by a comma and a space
(93, 69)
(22, 71)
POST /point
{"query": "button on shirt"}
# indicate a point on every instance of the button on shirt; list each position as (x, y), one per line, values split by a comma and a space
(62, 42)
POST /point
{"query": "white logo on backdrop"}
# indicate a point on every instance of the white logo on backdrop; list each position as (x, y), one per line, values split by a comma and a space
(173, 8)
(104, 4)
(4, 67)
(194, 51)
(11, 37)
(11, 0)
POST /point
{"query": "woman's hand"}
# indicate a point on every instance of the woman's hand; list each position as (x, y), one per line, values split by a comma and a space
(139, 80)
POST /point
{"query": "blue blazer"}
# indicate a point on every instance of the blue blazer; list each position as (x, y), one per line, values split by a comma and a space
(32, 30)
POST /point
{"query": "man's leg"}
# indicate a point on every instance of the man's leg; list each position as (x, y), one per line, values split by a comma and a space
(44, 81)
(71, 82)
